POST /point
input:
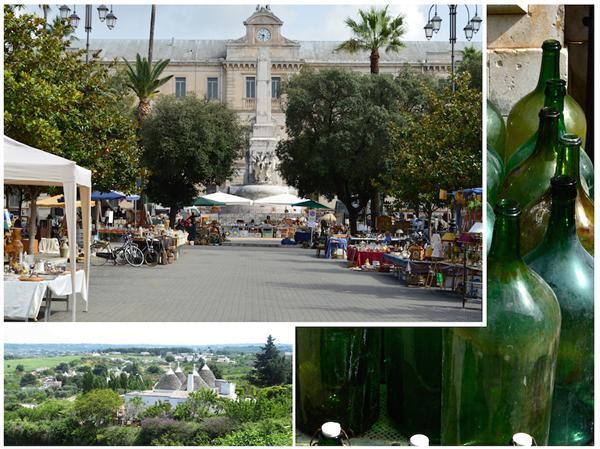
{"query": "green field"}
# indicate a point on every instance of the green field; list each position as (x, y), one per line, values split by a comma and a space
(30, 364)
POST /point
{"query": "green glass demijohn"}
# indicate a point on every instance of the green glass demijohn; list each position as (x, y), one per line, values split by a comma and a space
(413, 366)
(531, 179)
(338, 378)
(496, 129)
(554, 98)
(522, 123)
(495, 174)
(534, 220)
(497, 380)
(566, 266)
(489, 226)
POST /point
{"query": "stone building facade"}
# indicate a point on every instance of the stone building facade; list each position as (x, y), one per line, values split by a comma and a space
(246, 74)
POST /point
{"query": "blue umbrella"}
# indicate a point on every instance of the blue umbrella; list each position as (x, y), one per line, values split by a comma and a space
(132, 197)
(110, 195)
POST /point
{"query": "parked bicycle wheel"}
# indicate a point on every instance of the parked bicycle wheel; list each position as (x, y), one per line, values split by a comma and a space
(99, 253)
(151, 257)
(134, 256)
(120, 258)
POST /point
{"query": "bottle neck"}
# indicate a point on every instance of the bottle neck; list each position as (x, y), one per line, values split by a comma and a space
(550, 68)
(506, 241)
(567, 162)
(548, 135)
(561, 226)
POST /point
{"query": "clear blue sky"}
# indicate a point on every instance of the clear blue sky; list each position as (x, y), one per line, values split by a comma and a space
(301, 22)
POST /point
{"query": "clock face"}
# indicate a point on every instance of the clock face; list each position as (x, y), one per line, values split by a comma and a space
(263, 35)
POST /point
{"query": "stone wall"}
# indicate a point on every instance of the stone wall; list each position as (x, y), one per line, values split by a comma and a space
(515, 34)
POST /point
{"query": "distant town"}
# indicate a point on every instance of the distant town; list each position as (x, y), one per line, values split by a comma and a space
(142, 395)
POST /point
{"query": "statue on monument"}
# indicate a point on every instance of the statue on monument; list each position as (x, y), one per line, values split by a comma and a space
(263, 167)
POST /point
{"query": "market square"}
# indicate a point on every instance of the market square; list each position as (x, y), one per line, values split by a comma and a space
(337, 153)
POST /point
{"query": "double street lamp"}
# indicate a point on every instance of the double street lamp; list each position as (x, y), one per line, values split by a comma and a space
(434, 23)
(103, 14)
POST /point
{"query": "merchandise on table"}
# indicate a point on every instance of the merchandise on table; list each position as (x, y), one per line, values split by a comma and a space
(485, 399)
(522, 121)
(534, 220)
(565, 265)
(337, 378)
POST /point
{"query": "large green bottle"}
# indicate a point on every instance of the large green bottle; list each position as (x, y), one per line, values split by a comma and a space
(489, 226)
(495, 174)
(534, 220)
(554, 97)
(522, 123)
(496, 129)
(338, 377)
(413, 366)
(497, 380)
(567, 267)
(530, 180)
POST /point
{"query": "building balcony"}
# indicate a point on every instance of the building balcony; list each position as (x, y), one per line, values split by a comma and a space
(248, 104)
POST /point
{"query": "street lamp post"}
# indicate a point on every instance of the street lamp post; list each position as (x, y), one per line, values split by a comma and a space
(103, 14)
(434, 24)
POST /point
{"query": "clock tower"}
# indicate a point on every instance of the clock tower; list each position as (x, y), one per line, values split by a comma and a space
(251, 60)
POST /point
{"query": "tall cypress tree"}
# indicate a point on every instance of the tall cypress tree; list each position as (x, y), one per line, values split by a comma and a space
(270, 367)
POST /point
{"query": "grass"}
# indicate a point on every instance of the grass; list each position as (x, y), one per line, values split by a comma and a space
(30, 364)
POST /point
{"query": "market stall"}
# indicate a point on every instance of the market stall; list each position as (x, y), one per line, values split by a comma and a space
(25, 165)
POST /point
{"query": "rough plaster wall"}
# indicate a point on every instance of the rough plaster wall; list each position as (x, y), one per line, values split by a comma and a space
(514, 51)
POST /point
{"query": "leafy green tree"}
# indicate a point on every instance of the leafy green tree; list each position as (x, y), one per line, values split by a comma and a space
(269, 367)
(55, 102)
(145, 81)
(471, 63)
(169, 358)
(439, 148)
(19, 368)
(28, 379)
(376, 29)
(264, 433)
(62, 367)
(100, 370)
(200, 404)
(188, 142)
(154, 369)
(97, 407)
(135, 407)
(87, 382)
(216, 370)
(118, 436)
(158, 410)
(338, 135)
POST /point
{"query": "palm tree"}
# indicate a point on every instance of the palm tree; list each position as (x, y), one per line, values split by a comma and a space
(145, 80)
(377, 29)
(151, 39)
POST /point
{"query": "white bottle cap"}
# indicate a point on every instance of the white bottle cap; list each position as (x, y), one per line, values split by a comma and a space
(419, 440)
(331, 429)
(522, 439)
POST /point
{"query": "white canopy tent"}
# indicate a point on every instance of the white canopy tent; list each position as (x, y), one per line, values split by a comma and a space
(26, 165)
(283, 199)
(228, 199)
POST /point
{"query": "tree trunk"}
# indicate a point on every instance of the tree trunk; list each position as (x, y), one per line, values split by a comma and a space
(172, 214)
(375, 209)
(375, 61)
(353, 218)
(34, 192)
(151, 39)
(143, 110)
(429, 223)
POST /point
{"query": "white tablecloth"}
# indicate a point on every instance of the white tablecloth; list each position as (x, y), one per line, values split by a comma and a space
(24, 299)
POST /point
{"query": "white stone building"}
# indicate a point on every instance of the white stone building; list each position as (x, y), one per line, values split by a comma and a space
(246, 74)
(174, 387)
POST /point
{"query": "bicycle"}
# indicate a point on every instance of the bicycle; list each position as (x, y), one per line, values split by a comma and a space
(151, 255)
(101, 252)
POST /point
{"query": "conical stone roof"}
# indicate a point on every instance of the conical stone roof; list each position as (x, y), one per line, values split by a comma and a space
(207, 376)
(169, 381)
(199, 383)
(180, 375)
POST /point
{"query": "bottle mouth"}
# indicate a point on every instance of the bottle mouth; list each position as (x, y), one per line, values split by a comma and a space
(555, 85)
(508, 208)
(570, 139)
(551, 45)
(564, 186)
(549, 112)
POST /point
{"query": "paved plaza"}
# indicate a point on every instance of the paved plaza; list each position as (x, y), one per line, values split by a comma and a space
(234, 283)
